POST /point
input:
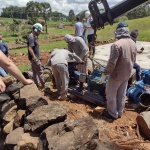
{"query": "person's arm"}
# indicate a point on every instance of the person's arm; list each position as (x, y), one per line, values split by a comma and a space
(2, 86)
(32, 53)
(114, 55)
(73, 55)
(12, 69)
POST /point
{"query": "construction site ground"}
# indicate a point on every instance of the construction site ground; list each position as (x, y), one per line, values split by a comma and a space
(124, 131)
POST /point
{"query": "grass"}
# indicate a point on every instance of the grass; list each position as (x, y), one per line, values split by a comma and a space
(142, 24)
(24, 68)
(43, 47)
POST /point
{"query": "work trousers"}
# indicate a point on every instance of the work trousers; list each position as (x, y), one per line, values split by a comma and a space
(137, 68)
(61, 75)
(116, 96)
(37, 72)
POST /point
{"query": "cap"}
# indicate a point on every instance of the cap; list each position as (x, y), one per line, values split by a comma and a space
(122, 24)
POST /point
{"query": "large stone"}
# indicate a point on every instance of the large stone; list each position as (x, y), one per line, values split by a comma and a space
(13, 88)
(44, 116)
(9, 114)
(7, 106)
(8, 127)
(19, 118)
(4, 98)
(70, 135)
(14, 136)
(143, 121)
(34, 102)
(28, 91)
(28, 142)
(25, 93)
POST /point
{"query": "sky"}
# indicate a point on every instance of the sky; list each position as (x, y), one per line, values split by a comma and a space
(63, 6)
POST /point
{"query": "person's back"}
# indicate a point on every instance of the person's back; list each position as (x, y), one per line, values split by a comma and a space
(59, 56)
(126, 49)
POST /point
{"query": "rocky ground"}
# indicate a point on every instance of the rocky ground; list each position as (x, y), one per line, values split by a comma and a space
(124, 131)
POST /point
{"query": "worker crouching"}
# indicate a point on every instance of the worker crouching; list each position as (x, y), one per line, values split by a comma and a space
(58, 62)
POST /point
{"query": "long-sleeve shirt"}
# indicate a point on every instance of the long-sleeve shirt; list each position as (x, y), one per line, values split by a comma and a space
(60, 56)
(78, 47)
(122, 58)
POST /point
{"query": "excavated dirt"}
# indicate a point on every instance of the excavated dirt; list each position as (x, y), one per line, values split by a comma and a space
(123, 131)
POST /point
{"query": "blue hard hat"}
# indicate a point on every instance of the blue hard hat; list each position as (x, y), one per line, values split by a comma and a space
(122, 24)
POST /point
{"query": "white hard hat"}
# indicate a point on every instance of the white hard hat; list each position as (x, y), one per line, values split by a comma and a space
(38, 26)
(87, 13)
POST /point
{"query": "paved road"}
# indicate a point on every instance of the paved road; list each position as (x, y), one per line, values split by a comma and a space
(103, 51)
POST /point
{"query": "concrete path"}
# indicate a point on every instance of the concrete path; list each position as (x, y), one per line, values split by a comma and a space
(103, 51)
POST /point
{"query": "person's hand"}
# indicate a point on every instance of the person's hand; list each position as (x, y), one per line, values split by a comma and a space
(2, 86)
(34, 59)
(28, 82)
(82, 62)
(139, 51)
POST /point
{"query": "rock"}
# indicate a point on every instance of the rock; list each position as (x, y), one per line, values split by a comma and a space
(7, 80)
(4, 98)
(143, 121)
(8, 127)
(26, 92)
(99, 110)
(7, 106)
(13, 88)
(19, 119)
(28, 142)
(14, 136)
(9, 114)
(70, 135)
(60, 26)
(44, 116)
(34, 102)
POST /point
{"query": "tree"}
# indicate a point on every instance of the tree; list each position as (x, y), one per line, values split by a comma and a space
(140, 12)
(71, 15)
(14, 27)
(33, 9)
(46, 12)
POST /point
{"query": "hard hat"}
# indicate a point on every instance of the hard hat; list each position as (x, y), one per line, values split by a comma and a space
(122, 24)
(87, 13)
(38, 26)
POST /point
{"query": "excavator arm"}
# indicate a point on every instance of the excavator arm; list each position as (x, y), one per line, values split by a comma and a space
(99, 19)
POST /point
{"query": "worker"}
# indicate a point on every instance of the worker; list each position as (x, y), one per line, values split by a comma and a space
(58, 62)
(4, 49)
(78, 28)
(90, 32)
(78, 46)
(34, 55)
(134, 34)
(119, 69)
(12, 69)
